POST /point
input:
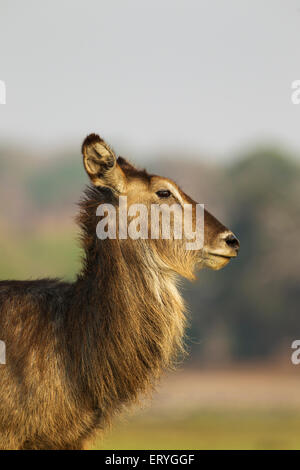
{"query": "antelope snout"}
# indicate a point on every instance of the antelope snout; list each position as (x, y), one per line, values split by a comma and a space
(232, 242)
(225, 247)
(227, 244)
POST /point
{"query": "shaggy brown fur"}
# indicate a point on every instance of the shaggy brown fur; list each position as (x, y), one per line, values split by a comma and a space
(79, 352)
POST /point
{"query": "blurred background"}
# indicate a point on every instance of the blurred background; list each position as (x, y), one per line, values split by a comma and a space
(199, 91)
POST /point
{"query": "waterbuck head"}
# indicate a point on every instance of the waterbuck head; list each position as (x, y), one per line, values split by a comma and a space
(160, 218)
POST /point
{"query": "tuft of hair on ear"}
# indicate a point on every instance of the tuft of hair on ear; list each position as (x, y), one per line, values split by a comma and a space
(91, 139)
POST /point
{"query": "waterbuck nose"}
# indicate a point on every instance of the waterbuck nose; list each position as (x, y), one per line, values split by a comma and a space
(232, 242)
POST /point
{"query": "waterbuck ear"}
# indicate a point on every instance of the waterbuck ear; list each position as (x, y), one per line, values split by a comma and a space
(101, 164)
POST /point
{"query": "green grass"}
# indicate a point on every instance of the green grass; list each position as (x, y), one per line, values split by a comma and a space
(53, 255)
(207, 430)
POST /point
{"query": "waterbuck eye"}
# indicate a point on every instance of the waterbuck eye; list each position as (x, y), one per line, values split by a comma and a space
(163, 193)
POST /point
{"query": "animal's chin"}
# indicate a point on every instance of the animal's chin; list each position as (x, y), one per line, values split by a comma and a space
(215, 261)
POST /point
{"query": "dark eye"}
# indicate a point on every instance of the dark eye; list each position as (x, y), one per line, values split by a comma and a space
(163, 193)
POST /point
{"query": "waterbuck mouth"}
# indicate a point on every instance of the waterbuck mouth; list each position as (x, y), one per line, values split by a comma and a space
(217, 261)
(222, 256)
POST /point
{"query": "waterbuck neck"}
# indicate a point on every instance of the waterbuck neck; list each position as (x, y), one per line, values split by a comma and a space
(131, 318)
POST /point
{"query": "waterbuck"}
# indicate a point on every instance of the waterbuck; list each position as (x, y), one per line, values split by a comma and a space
(77, 353)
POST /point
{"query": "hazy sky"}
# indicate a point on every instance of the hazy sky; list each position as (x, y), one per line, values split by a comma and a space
(205, 76)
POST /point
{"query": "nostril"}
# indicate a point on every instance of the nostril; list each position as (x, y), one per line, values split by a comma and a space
(232, 241)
